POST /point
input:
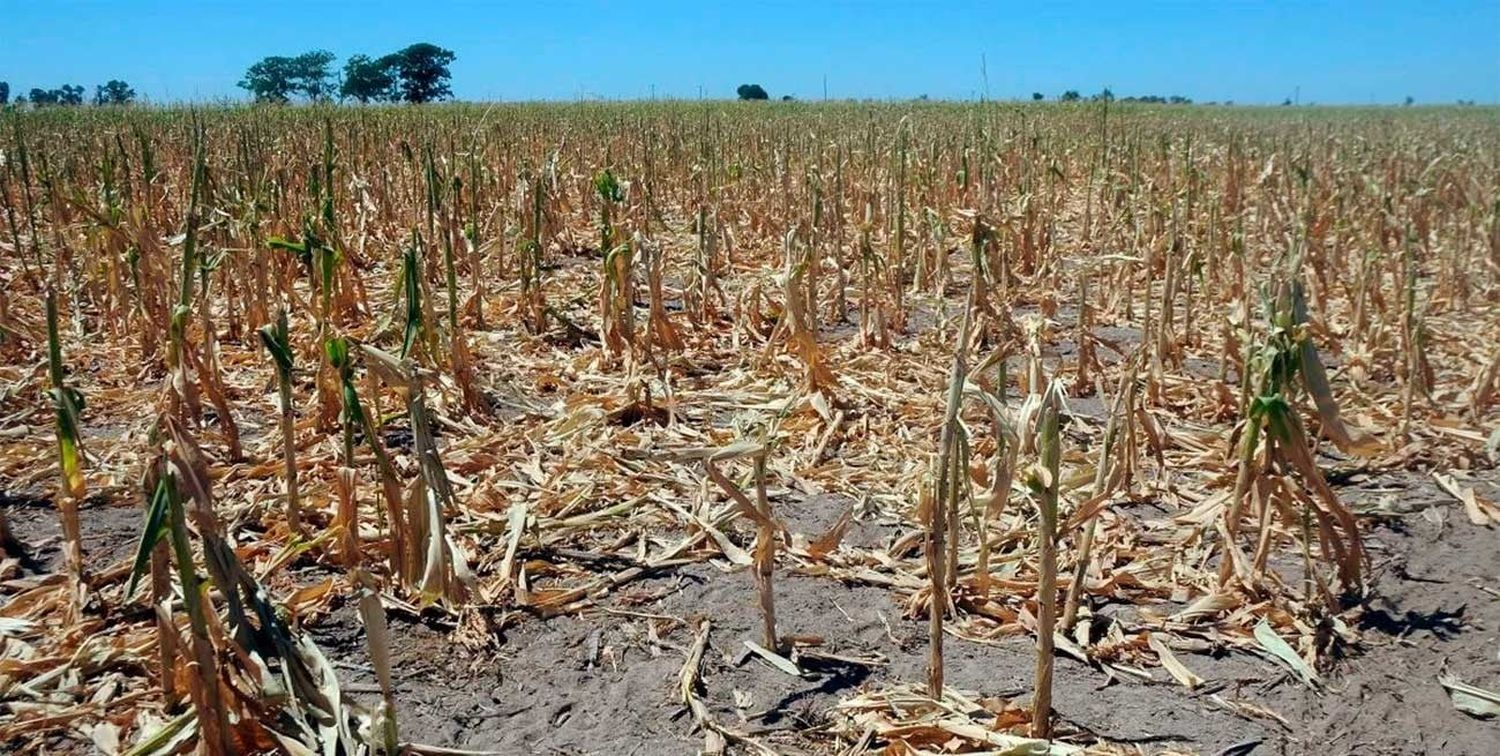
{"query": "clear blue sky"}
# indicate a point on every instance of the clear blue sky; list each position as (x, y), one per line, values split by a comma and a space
(1249, 52)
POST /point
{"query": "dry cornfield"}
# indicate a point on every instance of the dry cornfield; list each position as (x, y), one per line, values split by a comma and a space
(750, 428)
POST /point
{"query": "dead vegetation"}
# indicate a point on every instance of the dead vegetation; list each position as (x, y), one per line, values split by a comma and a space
(495, 365)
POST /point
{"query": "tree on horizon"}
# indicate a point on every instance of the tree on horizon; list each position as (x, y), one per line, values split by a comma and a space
(67, 94)
(275, 79)
(369, 79)
(752, 92)
(422, 71)
(114, 92)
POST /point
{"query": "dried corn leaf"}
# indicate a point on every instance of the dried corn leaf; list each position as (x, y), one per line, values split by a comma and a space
(1470, 699)
(1170, 662)
(1278, 648)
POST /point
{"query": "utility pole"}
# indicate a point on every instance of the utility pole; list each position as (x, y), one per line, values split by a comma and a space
(984, 73)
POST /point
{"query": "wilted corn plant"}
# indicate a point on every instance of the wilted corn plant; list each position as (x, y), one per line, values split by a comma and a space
(351, 417)
(183, 392)
(67, 403)
(1045, 482)
(659, 328)
(436, 562)
(938, 509)
(471, 233)
(703, 286)
(872, 310)
(441, 222)
(1286, 361)
(533, 303)
(411, 291)
(277, 341)
(1120, 414)
(207, 364)
(377, 636)
(282, 692)
(165, 517)
(321, 262)
(758, 512)
(801, 334)
(354, 419)
(1002, 466)
(617, 285)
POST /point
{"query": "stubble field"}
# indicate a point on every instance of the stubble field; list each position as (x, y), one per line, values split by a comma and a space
(750, 428)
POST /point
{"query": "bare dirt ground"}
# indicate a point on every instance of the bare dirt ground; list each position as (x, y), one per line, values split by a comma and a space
(605, 682)
(547, 654)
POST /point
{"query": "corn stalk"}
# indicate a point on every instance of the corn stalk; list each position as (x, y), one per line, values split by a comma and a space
(1044, 481)
(280, 682)
(277, 340)
(353, 419)
(767, 529)
(443, 571)
(67, 403)
(944, 499)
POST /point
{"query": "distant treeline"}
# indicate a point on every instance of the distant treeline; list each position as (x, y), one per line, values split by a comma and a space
(416, 73)
(419, 73)
(1106, 95)
(113, 92)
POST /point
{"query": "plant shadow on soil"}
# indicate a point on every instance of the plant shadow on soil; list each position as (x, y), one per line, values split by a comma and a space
(606, 681)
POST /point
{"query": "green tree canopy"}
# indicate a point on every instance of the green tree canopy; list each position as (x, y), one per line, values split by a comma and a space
(422, 71)
(270, 79)
(1070, 96)
(313, 74)
(369, 79)
(67, 94)
(278, 78)
(752, 92)
(4, 92)
(113, 92)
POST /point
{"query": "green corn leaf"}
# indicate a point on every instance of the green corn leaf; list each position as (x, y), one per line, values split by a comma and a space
(54, 344)
(607, 187)
(328, 263)
(68, 404)
(156, 527)
(1274, 411)
(275, 337)
(277, 349)
(296, 247)
(337, 350)
(180, 315)
(412, 283)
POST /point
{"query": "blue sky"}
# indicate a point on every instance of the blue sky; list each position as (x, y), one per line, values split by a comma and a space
(1249, 52)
